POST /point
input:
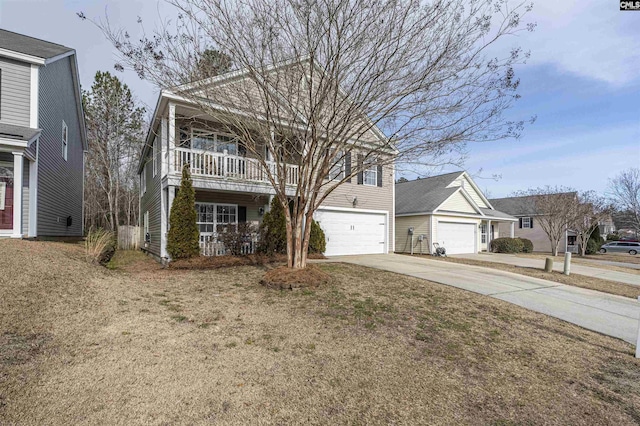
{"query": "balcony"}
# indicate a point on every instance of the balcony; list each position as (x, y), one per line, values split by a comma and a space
(229, 167)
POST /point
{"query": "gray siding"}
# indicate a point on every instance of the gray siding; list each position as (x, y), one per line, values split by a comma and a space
(15, 92)
(150, 201)
(25, 196)
(60, 182)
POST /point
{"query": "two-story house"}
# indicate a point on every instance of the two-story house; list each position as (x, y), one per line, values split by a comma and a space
(231, 186)
(42, 139)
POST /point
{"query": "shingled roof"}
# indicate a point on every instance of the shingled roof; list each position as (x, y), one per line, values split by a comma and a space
(523, 205)
(20, 133)
(424, 195)
(31, 46)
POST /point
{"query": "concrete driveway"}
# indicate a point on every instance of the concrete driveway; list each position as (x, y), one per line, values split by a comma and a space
(558, 265)
(612, 315)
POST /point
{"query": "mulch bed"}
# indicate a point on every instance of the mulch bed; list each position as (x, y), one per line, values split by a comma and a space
(283, 278)
(217, 262)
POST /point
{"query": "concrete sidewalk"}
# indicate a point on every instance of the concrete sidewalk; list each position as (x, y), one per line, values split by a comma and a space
(621, 264)
(558, 265)
(612, 315)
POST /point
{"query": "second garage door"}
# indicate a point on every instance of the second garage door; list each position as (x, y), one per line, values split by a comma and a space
(457, 238)
(353, 232)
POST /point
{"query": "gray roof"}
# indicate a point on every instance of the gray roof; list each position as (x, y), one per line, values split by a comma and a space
(523, 205)
(30, 46)
(9, 131)
(517, 206)
(496, 213)
(424, 195)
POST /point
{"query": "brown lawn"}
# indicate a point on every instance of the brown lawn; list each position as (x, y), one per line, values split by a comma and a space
(81, 344)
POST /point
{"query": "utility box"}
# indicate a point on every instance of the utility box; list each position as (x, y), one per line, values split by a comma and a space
(421, 237)
(411, 231)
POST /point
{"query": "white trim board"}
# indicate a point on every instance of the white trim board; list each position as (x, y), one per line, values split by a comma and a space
(34, 89)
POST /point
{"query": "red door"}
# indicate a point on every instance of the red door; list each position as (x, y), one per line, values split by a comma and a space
(6, 213)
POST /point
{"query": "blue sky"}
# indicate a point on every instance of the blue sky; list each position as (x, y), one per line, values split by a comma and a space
(582, 82)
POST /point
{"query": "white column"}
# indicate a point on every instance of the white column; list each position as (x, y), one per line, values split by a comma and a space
(512, 230)
(18, 159)
(489, 236)
(172, 194)
(164, 142)
(33, 197)
(172, 135)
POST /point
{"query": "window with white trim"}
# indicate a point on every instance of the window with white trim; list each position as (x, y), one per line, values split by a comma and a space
(143, 179)
(145, 223)
(216, 217)
(338, 168)
(65, 140)
(483, 233)
(155, 156)
(370, 175)
(526, 222)
(212, 141)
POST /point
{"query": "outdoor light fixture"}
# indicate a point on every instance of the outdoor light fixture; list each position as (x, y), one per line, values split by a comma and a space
(355, 202)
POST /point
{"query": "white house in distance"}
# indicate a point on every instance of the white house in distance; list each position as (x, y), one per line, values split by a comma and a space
(449, 210)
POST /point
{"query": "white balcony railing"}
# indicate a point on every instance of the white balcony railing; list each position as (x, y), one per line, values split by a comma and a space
(219, 165)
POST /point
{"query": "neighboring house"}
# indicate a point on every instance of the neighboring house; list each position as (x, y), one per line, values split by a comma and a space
(449, 210)
(607, 226)
(42, 139)
(357, 218)
(528, 225)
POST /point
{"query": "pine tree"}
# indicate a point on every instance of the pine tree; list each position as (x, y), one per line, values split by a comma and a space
(183, 238)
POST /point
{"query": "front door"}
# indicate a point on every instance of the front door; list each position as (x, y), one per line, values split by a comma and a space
(6, 195)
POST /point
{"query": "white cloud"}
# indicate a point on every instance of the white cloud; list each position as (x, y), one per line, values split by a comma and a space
(589, 38)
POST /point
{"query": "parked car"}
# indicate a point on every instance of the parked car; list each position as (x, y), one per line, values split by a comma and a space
(621, 247)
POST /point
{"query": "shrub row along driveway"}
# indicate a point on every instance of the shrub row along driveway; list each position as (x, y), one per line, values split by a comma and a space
(612, 315)
(80, 344)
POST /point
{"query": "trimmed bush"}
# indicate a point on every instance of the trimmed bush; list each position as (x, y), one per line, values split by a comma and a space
(183, 238)
(613, 237)
(273, 233)
(507, 245)
(527, 245)
(273, 230)
(317, 241)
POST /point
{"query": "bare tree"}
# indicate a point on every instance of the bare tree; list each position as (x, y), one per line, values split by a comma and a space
(591, 209)
(338, 87)
(114, 129)
(624, 191)
(554, 208)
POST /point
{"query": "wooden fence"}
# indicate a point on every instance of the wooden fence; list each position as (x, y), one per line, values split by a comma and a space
(128, 237)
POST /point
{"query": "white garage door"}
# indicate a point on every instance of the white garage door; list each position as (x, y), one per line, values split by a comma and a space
(352, 232)
(457, 238)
